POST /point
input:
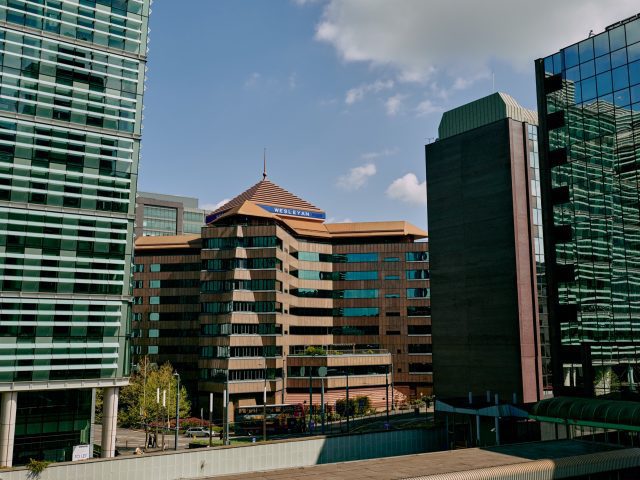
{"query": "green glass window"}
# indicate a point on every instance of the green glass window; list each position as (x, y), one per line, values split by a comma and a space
(392, 277)
(417, 256)
(154, 283)
(357, 312)
(366, 293)
(154, 316)
(418, 292)
(417, 274)
(154, 300)
(314, 257)
(363, 275)
(154, 267)
(355, 257)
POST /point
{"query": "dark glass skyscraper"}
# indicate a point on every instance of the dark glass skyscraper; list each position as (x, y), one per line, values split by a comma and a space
(589, 112)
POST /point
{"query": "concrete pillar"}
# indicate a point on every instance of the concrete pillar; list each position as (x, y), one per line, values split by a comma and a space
(109, 421)
(8, 408)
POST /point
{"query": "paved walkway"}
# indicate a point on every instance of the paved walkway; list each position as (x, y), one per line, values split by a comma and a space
(403, 467)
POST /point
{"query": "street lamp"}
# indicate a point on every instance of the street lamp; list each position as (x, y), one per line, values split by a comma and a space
(177, 375)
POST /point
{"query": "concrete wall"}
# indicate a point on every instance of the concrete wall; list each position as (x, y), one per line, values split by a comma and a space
(246, 458)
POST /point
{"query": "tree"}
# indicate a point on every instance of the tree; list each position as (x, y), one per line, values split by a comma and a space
(139, 403)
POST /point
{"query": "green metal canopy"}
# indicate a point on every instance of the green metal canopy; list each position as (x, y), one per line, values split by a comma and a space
(591, 412)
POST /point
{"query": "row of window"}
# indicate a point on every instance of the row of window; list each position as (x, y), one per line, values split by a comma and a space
(315, 293)
(163, 213)
(216, 286)
(54, 247)
(220, 375)
(79, 286)
(305, 372)
(339, 330)
(358, 257)
(338, 276)
(212, 351)
(229, 307)
(240, 242)
(179, 283)
(167, 316)
(73, 57)
(336, 312)
(78, 26)
(227, 264)
(224, 329)
(167, 267)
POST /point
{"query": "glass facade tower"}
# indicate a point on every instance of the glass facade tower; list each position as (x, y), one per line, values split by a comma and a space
(71, 84)
(589, 105)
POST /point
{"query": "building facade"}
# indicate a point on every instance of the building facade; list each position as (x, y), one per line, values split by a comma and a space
(485, 238)
(589, 99)
(72, 80)
(158, 214)
(282, 293)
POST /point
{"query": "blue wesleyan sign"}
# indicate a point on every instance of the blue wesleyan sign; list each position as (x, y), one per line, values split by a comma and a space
(293, 212)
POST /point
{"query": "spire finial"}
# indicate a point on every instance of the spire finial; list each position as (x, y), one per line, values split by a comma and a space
(264, 164)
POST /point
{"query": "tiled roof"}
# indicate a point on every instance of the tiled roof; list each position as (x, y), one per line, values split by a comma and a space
(268, 193)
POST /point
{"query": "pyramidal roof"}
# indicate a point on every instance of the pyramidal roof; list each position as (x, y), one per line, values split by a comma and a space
(272, 198)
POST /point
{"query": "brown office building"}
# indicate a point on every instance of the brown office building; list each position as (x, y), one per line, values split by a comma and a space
(489, 296)
(281, 293)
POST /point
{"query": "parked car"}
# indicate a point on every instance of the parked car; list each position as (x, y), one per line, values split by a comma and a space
(197, 432)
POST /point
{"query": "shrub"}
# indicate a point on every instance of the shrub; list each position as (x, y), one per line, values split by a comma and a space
(36, 467)
(311, 350)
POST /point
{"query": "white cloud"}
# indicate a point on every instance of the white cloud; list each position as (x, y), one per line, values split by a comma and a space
(426, 107)
(356, 94)
(418, 38)
(394, 104)
(302, 3)
(387, 152)
(210, 207)
(356, 177)
(253, 79)
(408, 189)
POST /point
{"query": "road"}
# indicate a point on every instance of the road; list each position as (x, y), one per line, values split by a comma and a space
(128, 440)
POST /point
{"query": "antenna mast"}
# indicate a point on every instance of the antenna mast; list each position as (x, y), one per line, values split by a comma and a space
(264, 164)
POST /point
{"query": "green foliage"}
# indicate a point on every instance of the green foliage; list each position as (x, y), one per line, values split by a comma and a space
(36, 467)
(99, 396)
(311, 350)
(138, 400)
(357, 406)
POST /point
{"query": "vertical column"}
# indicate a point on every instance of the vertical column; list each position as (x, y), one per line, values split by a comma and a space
(8, 408)
(109, 421)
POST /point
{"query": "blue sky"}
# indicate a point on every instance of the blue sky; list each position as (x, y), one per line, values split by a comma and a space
(343, 93)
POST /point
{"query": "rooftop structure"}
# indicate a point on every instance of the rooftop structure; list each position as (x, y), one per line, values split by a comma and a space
(158, 214)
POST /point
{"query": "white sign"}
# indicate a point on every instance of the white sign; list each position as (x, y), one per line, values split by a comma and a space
(81, 452)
